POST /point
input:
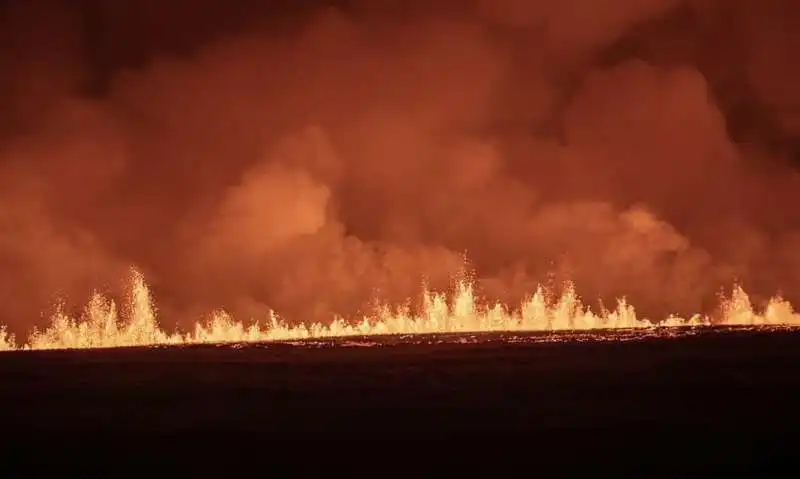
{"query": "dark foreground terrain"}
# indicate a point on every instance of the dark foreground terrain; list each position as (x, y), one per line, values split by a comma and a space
(702, 397)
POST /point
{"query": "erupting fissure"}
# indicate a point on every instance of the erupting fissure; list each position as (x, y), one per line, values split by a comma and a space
(101, 325)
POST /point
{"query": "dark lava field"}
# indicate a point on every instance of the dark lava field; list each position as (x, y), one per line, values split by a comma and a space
(689, 395)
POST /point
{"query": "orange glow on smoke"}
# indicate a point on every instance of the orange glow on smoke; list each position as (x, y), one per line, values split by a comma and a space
(102, 326)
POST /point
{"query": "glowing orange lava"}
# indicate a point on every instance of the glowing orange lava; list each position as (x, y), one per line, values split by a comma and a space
(101, 325)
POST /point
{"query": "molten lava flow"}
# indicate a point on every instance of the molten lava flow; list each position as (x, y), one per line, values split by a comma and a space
(101, 326)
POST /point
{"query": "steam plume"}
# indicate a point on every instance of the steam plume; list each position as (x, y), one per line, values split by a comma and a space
(315, 168)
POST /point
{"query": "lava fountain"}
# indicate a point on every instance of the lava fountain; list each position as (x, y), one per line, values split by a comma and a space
(102, 325)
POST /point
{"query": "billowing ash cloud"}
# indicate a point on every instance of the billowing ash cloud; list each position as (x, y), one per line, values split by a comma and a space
(362, 151)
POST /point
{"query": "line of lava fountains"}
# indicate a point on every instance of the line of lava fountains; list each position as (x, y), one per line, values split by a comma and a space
(101, 326)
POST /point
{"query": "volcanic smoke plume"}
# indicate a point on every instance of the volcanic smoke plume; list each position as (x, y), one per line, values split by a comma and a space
(313, 160)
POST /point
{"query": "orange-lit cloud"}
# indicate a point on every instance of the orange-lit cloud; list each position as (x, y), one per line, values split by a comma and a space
(353, 155)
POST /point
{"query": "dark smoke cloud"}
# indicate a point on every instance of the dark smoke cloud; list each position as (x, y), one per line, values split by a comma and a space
(315, 169)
